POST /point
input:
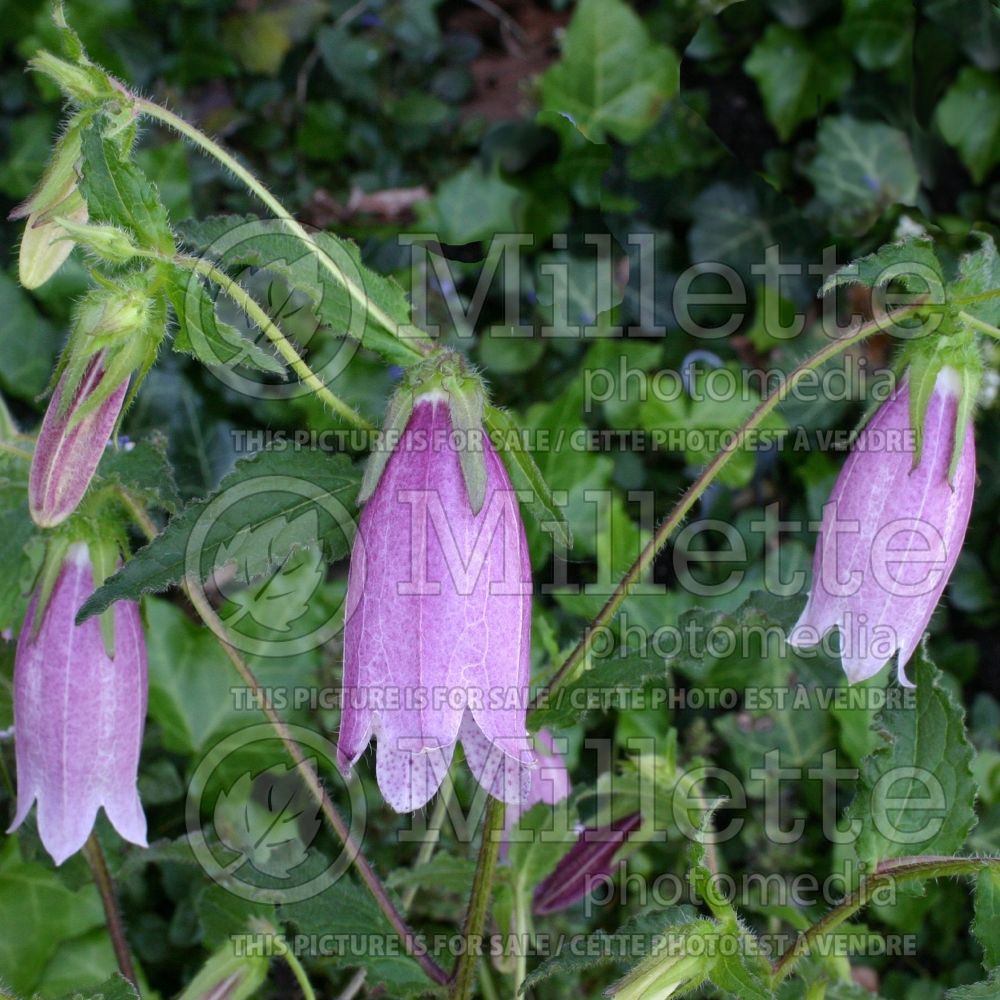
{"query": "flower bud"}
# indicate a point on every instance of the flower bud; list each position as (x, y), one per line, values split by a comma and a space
(227, 976)
(70, 444)
(892, 531)
(78, 714)
(589, 860)
(438, 615)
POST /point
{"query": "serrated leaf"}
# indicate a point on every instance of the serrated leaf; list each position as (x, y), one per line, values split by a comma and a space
(347, 912)
(978, 274)
(613, 79)
(916, 794)
(986, 925)
(911, 263)
(332, 480)
(989, 989)
(526, 477)
(204, 336)
(115, 988)
(798, 74)
(245, 241)
(739, 977)
(117, 192)
(600, 686)
(969, 119)
(860, 169)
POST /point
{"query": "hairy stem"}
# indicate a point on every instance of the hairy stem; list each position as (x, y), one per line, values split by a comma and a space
(898, 870)
(281, 947)
(479, 902)
(315, 787)
(418, 345)
(282, 344)
(112, 915)
(708, 475)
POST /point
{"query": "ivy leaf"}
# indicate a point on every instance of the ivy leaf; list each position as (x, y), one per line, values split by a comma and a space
(969, 119)
(271, 486)
(117, 192)
(469, 206)
(916, 794)
(986, 926)
(204, 336)
(269, 819)
(860, 169)
(526, 478)
(879, 32)
(336, 287)
(798, 75)
(613, 79)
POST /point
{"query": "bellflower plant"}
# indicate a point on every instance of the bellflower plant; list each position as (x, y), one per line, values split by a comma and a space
(79, 713)
(892, 530)
(438, 615)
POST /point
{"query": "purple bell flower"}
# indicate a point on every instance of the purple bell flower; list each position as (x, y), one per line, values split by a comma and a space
(891, 532)
(79, 715)
(438, 616)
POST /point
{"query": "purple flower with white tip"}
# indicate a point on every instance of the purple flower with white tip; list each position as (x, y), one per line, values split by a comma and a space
(892, 531)
(438, 616)
(70, 446)
(79, 715)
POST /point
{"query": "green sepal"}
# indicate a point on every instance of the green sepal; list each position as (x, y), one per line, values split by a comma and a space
(108, 242)
(397, 416)
(60, 177)
(57, 544)
(466, 402)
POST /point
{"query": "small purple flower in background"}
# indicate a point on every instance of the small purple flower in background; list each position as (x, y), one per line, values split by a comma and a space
(588, 861)
(79, 715)
(70, 446)
(892, 532)
(438, 615)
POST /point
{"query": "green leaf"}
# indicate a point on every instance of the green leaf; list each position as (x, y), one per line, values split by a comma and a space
(912, 263)
(602, 685)
(469, 206)
(989, 989)
(288, 484)
(348, 912)
(237, 242)
(115, 988)
(116, 191)
(204, 336)
(143, 469)
(978, 274)
(37, 911)
(28, 343)
(613, 79)
(443, 871)
(986, 926)
(916, 794)
(860, 169)
(969, 119)
(798, 74)
(526, 477)
(879, 32)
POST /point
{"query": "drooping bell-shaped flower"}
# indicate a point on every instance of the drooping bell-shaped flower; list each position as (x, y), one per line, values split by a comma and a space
(116, 333)
(893, 529)
(438, 615)
(78, 714)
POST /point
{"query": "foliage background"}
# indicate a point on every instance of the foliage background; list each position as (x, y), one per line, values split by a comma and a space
(807, 122)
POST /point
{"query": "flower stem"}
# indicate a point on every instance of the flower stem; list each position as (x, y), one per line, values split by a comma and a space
(368, 874)
(482, 889)
(336, 822)
(982, 327)
(897, 870)
(420, 345)
(660, 537)
(282, 344)
(281, 947)
(112, 915)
